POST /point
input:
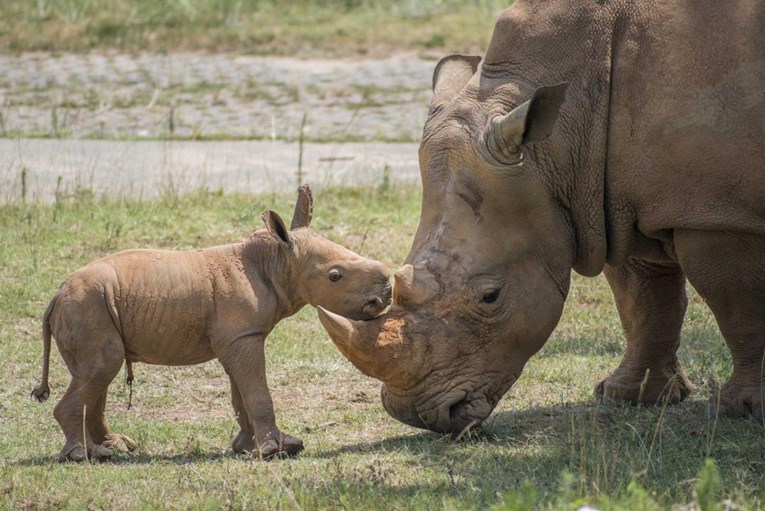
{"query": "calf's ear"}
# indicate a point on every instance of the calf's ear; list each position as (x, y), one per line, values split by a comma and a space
(451, 75)
(276, 227)
(303, 208)
(530, 122)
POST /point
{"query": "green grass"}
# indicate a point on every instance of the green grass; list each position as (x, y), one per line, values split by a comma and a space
(303, 27)
(547, 446)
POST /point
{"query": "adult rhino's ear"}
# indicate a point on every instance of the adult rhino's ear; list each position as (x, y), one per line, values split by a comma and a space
(451, 75)
(533, 121)
(303, 208)
(276, 227)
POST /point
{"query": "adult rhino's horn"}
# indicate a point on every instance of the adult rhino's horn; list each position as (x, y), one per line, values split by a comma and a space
(413, 287)
(369, 345)
(451, 75)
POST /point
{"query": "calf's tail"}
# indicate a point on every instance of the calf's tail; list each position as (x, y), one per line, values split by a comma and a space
(42, 391)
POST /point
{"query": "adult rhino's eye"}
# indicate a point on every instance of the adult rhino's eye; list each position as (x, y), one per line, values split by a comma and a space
(490, 296)
(334, 275)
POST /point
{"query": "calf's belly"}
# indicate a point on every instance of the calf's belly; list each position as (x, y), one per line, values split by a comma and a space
(163, 349)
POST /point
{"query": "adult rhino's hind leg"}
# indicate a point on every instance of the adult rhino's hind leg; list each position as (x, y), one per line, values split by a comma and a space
(651, 301)
(728, 271)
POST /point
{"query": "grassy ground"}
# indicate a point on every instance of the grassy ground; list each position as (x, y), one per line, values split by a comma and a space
(264, 27)
(547, 446)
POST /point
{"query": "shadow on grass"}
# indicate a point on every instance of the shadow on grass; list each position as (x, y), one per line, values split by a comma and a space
(138, 459)
(605, 446)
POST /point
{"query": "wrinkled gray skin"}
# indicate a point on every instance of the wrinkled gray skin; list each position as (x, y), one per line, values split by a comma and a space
(181, 308)
(618, 137)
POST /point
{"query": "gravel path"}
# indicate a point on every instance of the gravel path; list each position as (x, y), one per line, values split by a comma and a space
(192, 96)
(45, 170)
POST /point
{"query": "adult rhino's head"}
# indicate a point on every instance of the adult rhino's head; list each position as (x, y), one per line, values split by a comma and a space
(488, 272)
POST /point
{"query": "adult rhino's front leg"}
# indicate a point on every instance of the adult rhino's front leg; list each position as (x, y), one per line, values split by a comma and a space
(651, 301)
(245, 363)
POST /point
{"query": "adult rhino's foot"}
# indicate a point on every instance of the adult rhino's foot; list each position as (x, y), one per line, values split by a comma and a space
(736, 400)
(76, 453)
(644, 386)
(121, 443)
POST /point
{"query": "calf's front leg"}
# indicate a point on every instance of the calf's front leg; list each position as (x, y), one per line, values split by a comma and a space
(244, 361)
(244, 442)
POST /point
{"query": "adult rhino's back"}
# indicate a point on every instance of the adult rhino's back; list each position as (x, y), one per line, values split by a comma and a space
(686, 118)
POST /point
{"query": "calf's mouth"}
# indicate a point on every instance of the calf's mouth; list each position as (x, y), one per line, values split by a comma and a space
(377, 303)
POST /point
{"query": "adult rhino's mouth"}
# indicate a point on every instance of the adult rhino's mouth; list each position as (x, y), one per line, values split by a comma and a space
(455, 417)
(460, 421)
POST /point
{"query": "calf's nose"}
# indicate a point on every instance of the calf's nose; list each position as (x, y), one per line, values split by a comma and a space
(375, 305)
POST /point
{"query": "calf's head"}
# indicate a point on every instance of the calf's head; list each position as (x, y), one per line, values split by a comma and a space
(488, 272)
(325, 274)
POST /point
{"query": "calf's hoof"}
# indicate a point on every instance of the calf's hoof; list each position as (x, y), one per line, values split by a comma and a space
(243, 443)
(269, 450)
(121, 443)
(291, 445)
(76, 453)
(641, 387)
(737, 401)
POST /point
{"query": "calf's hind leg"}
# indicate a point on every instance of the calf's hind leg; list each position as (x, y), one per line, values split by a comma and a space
(80, 413)
(728, 270)
(100, 432)
(651, 301)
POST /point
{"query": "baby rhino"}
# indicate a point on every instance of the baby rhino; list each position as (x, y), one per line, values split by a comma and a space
(181, 308)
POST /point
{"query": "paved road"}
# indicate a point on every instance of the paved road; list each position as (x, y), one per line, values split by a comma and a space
(116, 169)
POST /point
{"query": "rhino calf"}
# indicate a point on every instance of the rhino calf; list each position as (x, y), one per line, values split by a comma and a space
(181, 308)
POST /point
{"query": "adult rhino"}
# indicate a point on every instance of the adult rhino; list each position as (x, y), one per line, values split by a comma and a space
(624, 137)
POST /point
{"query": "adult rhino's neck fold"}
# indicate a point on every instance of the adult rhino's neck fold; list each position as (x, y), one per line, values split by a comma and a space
(537, 44)
(584, 154)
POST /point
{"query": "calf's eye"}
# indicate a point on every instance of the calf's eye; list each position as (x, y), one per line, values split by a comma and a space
(490, 296)
(334, 275)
